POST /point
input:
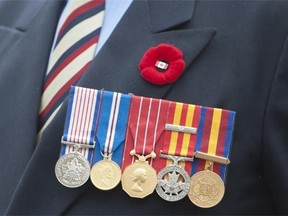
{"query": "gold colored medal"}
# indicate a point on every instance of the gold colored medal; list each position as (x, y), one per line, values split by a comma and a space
(139, 179)
(206, 189)
(106, 174)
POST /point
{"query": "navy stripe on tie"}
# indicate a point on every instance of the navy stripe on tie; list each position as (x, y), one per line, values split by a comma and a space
(78, 20)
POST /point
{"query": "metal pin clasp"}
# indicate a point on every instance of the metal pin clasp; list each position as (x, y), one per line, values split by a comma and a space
(211, 158)
(210, 166)
(181, 128)
(142, 158)
(176, 159)
(77, 145)
(106, 156)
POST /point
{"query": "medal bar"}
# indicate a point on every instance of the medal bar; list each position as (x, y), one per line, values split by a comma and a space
(111, 129)
(78, 140)
(209, 157)
(189, 140)
(180, 128)
(145, 126)
(77, 145)
(179, 143)
(207, 182)
(176, 159)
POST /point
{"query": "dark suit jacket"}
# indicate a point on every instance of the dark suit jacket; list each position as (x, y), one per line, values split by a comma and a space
(236, 55)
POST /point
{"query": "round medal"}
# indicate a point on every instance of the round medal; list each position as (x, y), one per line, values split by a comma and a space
(139, 180)
(173, 183)
(206, 189)
(105, 175)
(72, 170)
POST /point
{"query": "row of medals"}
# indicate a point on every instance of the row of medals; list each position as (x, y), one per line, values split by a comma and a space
(205, 188)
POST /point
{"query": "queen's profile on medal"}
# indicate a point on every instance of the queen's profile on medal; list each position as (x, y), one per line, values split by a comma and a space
(139, 177)
(105, 175)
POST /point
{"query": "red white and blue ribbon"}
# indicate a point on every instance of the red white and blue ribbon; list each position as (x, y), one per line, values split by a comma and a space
(81, 120)
(112, 126)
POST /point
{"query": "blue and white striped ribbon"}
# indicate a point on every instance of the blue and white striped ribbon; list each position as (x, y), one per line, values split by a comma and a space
(81, 120)
(112, 126)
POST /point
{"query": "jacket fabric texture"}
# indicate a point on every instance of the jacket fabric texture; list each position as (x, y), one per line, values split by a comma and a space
(236, 55)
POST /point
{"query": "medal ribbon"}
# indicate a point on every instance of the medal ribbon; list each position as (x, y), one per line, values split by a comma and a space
(112, 126)
(214, 137)
(179, 143)
(145, 126)
(81, 118)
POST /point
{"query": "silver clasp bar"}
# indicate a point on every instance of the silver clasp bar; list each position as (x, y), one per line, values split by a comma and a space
(79, 145)
(209, 157)
(180, 128)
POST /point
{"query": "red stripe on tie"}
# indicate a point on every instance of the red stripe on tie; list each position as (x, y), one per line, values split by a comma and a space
(69, 59)
(63, 90)
(81, 10)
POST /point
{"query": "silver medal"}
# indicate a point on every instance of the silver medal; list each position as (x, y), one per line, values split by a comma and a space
(72, 170)
(173, 181)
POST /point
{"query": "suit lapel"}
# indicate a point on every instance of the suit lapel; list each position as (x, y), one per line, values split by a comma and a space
(116, 66)
(168, 14)
(116, 69)
(21, 70)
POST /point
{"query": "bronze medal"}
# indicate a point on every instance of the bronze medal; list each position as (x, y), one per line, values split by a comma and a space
(139, 180)
(206, 189)
(105, 175)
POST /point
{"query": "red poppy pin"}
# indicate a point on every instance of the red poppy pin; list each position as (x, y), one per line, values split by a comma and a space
(162, 64)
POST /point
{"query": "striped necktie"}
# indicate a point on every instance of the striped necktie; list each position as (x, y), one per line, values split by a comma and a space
(72, 53)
